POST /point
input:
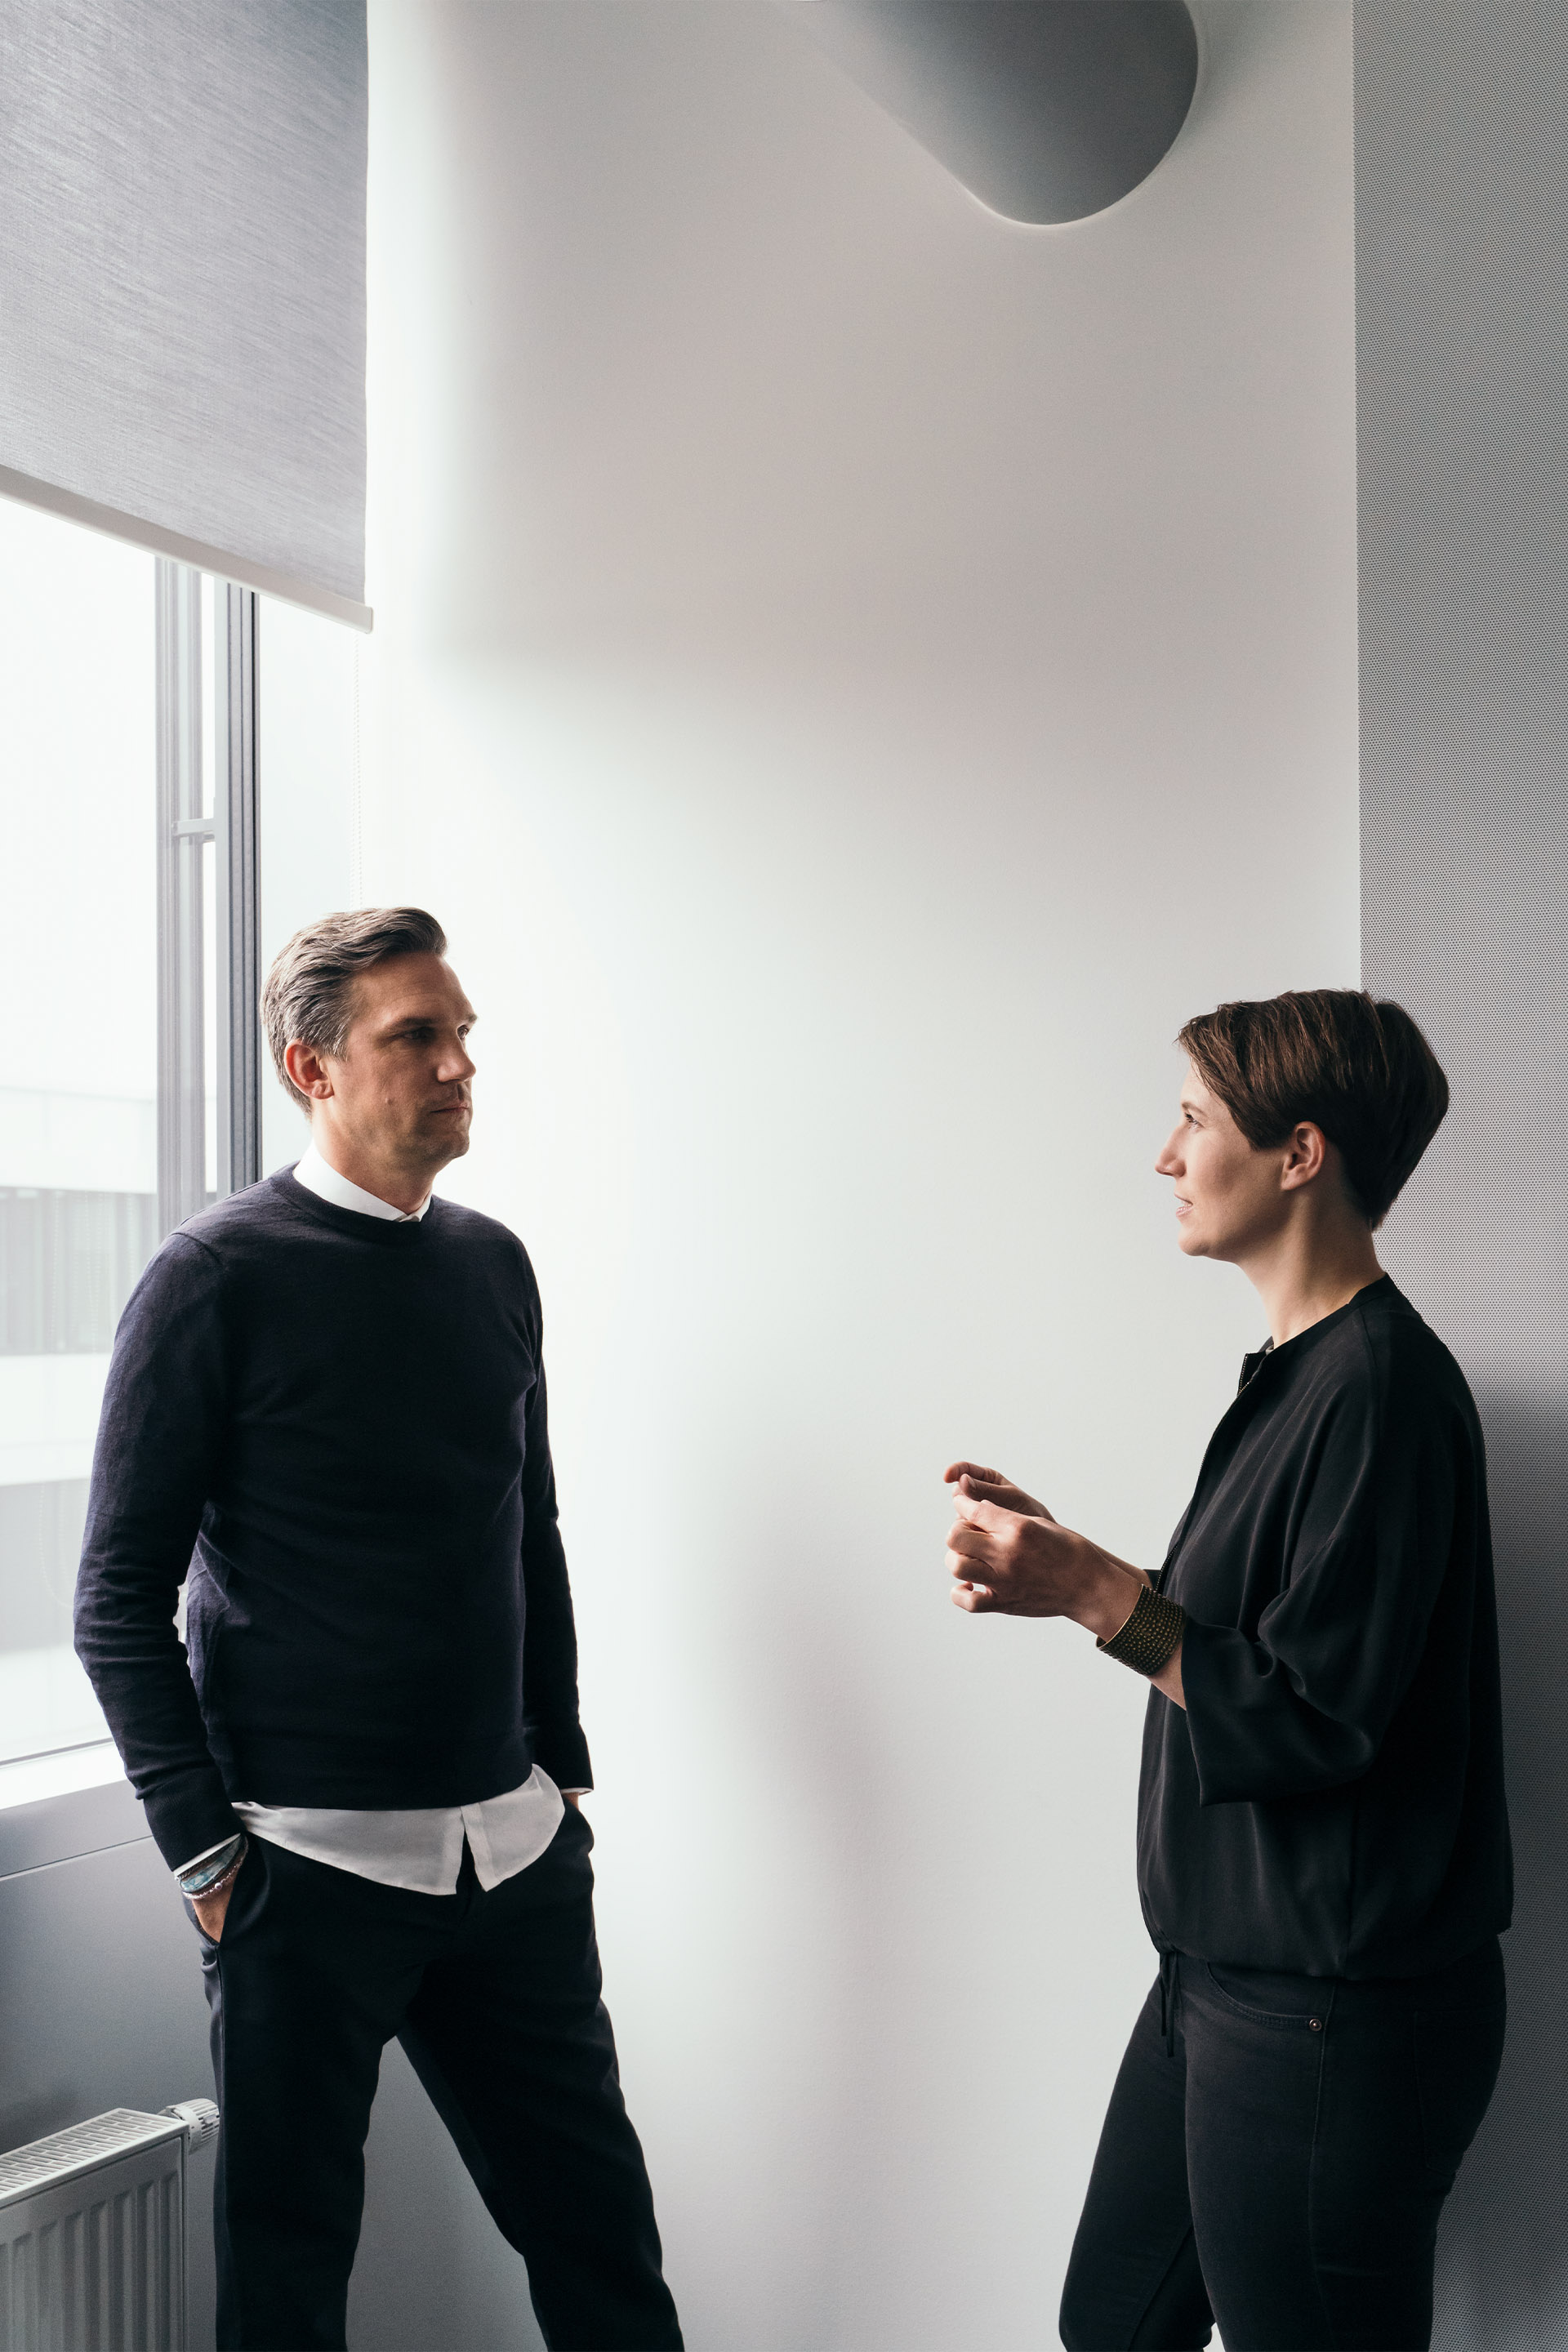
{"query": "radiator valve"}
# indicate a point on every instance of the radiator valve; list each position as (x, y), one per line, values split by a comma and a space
(200, 2118)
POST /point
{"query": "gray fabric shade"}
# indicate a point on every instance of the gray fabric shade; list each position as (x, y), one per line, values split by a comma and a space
(182, 280)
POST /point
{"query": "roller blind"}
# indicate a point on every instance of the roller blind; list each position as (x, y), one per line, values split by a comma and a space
(182, 280)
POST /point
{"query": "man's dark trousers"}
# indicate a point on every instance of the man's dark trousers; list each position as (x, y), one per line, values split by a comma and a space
(495, 1998)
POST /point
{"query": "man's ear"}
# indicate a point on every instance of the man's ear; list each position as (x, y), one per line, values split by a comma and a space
(308, 1069)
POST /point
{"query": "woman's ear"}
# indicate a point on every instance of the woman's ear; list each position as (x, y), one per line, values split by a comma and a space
(1306, 1155)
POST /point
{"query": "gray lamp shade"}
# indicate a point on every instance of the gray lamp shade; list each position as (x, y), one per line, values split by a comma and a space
(182, 280)
(1046, 109)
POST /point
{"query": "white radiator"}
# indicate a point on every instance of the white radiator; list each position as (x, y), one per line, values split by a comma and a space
(92, 2233)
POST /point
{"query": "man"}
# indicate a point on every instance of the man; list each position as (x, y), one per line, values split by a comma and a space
(365, 1780)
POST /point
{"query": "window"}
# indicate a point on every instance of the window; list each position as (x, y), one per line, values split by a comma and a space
(137, 895)
(79, 977)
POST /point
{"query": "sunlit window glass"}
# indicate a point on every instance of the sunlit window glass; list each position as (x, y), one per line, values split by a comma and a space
(79, 1180)
(101, 1148)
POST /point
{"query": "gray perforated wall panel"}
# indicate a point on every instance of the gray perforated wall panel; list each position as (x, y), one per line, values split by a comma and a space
(1462, 295)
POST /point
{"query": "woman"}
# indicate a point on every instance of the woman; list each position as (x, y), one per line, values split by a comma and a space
(1323, 1841)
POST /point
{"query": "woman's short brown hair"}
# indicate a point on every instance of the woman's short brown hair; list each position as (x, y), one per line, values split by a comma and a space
(1356, 1065)
(308, 994)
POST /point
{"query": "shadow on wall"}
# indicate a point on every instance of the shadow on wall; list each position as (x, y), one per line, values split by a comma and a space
(431, 2268)
(1504, 2256)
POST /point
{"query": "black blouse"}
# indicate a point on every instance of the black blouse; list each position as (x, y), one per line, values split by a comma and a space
(1332, 1799)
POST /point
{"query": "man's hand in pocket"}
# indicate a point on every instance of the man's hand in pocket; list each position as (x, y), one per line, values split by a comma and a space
(211, 1911)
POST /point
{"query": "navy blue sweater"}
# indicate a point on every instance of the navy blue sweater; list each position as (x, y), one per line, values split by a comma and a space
(343, 1420)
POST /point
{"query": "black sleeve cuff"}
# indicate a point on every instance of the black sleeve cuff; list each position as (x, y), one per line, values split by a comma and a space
(188, 1813)
(559, 1750)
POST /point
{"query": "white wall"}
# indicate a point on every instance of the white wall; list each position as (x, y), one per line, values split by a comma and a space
(853, 675)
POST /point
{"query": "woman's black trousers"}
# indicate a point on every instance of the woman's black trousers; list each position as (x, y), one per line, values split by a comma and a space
(1275, 2158)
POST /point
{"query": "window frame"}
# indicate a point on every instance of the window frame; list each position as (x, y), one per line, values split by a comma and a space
(186, 827)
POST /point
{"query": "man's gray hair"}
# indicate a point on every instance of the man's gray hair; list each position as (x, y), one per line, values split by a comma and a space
(310, 992)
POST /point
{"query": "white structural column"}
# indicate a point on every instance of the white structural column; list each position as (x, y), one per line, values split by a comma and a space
(1462, 332)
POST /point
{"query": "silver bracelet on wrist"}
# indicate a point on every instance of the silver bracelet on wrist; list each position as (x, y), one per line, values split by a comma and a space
(214, 1871)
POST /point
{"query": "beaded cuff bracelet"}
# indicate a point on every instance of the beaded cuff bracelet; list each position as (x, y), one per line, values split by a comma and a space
(1151, 1635)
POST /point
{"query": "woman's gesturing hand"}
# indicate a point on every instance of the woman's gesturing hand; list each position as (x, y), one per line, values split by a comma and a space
(1021, 1563)
(991, 1487)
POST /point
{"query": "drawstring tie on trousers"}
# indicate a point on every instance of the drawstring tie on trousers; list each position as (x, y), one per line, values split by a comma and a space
(1170, 1999)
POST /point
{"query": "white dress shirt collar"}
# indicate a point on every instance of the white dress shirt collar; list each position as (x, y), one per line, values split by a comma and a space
(319, 1176)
